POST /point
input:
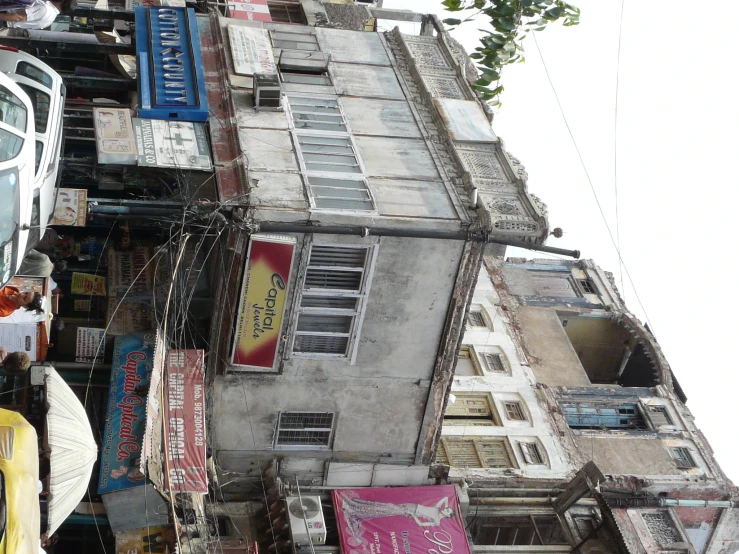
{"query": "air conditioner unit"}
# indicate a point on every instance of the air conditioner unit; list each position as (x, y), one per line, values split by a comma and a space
(306, 520)
(267, 90)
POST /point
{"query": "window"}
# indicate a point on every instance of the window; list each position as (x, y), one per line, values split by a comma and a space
(601, 415)
(470, 409)
(662, 527)
(305, 78)
(475, 452)
(334, 290)
(321, 114)
(514, 410)
(305, 429)
(12, 110)
(523, 531)
(494, 362)
(587, 286)
(339, 194)
(34, 73)
(659, 415)
(683, 457)
(531, 454)
(476, 319)
(328, 153)
(466, 365)
(10, 144)
(283, 12)
(41, 103)
(294, 41)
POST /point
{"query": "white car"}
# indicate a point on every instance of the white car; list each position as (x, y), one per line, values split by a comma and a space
(43, 92)
(17, 156)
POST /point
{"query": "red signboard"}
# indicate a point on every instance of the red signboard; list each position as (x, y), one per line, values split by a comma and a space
(254, 10)
(184, 422)
(263, 299)
(401, 520)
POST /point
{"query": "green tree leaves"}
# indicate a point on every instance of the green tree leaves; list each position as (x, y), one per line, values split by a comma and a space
(510, 20)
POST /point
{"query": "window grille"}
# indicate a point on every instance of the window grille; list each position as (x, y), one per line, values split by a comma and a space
(321, 114)
(531, 453)
(476, 319)
(281, 12)
(683, 457)
(306, 429)
(514, 411)
(340, 194)
(587, 286)
(659, 415)
(330, 153)
(595, 415)
(333, 292)
(294, 41)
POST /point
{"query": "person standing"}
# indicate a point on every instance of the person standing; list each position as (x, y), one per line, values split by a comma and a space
(39, 264)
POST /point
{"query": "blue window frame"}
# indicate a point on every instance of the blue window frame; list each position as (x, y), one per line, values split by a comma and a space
(595, 415)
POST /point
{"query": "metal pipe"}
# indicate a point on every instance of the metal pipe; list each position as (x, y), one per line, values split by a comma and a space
(477, 492)
(507, 501)
(132, 210)
(357, 230)
(698, 503)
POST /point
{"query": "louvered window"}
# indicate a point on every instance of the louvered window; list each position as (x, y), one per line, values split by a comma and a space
(476, 452)
(683, 457)
(494, 363)
(514, 411)
(320, 114)
(659, 415)
(531, 453)
(305, 429)
(470, 409)
(333, 294)
(328, 153)
(294, 41)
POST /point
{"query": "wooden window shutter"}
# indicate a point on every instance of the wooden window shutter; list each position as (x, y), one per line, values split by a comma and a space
(477, 405)
(493, 453)
(553, 286)
(461, 452)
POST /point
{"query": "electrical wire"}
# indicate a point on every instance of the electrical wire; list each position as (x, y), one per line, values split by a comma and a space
(615, 146)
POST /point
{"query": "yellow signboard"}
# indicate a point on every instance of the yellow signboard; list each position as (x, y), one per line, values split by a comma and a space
(84, 283)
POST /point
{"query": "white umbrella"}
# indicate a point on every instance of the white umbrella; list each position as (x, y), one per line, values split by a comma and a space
(73, 449)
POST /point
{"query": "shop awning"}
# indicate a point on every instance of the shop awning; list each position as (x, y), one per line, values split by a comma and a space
(73, 449)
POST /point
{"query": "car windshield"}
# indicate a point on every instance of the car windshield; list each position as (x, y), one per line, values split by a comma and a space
(12, 110)
(10, 145)
(10, 205)
(41, 103)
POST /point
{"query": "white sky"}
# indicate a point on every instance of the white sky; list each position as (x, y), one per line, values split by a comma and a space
(678, 118)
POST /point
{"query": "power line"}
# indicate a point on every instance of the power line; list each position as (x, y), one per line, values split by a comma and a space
(615, 146)
(590, 182)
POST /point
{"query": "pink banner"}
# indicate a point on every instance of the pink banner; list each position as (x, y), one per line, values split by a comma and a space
(401, 520)
(184, 422)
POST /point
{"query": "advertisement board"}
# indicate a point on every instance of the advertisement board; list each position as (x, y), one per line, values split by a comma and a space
(86, 284)
(124, 421)
(114, 136)
(70, 208)
(400, 520)
(184, 422)
(130, 315)
(175, 144)
(251, 50)
(156, 539)
(262, 302)
(171, 81)
(251, 10)
(130, 273)
(90, 344)
(20, 337)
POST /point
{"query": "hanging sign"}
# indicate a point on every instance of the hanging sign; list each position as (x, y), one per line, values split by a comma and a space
(262, 304)
(114, 136)
(177, 144)
(251, 50)
(89, 285)
(70, 208)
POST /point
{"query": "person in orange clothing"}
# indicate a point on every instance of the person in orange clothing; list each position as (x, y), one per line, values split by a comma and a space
(11, 299)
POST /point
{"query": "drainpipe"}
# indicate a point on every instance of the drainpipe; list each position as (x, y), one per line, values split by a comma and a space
(642, 502)
(508, 501)
(357, 230)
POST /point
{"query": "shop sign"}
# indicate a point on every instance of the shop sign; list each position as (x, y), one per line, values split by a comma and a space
(129, 315)
(184, 422)
(90, 344)
(174, 144)
(171, 81)
(88, 285)
(19, 337)
(262, 302)
(400, 519)
(125, 418)
(70, 208)
(82, 305)
(114, 136)
(251, 50)
(250, 10)
(150, 540)
(129, 272)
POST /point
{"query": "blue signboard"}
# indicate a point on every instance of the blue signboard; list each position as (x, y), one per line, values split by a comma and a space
(171, 80)
(126, 416)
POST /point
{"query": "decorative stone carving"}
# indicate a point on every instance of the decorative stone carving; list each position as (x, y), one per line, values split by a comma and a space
(506, 206)
(541, 206)
(661, 527)
(516, 226)
(444, 87)
(486, 166)
(518, 167)
(427, 55)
